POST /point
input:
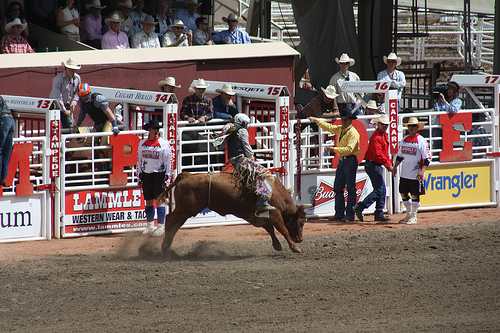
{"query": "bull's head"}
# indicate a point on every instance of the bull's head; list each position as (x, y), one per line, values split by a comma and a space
(295, 224)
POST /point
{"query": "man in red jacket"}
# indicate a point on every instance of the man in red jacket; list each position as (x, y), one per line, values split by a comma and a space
(376, 157)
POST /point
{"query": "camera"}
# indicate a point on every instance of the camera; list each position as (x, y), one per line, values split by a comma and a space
(441, 89)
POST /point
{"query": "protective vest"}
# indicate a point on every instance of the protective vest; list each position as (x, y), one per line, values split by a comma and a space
(234, 144)
(94, 111)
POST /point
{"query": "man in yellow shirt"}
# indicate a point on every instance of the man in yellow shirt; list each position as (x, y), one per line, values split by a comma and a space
(347, 148)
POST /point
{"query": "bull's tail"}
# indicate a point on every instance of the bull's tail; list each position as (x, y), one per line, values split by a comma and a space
(181, 176)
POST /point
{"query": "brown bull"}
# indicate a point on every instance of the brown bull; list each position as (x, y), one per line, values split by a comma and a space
(193, 193)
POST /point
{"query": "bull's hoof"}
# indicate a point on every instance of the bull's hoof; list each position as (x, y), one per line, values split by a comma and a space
(277, 246)
(296, 249)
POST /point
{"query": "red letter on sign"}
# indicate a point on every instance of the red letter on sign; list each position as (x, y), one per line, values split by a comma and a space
(124, 154)
(21, 156)
(450, 136)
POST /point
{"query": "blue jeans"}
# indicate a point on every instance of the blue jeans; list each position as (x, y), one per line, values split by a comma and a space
(374, 171)
(345, 175)
(6, 137)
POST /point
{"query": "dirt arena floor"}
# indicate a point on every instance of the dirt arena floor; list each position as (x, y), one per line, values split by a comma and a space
(441, 275)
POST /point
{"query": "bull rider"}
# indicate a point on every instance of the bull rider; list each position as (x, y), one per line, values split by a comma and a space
(240, 155)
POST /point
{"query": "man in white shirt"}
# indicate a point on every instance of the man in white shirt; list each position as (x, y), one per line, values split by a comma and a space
(175, 36)
(146, 38)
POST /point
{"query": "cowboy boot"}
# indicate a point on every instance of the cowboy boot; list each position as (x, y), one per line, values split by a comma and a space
(262, 205)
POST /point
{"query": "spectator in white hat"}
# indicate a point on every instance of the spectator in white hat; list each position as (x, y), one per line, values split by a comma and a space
(168, 85)
(197, 107)
(125, 9)
(224, 107)
(322, 105)
(175, 37)
(188, 15)
(345, 98)
(232, 35)
(91, 30)
(146, 38)
(397, 77)
(114, 38)
(14, 42)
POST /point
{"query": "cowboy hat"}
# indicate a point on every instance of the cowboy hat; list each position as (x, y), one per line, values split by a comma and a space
(345, 58)
(393, 56)
(169, 81)
(330, 92)
(199, 84)
(414, 121)
(192, 2)
(371, 105)
(383, 119)
(230, 17)
(95, 4)
(178, 23)
(113, 18)
(149, 19)
(346, 113)
(153, 123)
(16, 21)
(70, 63)
(126, 3)
(226, 88)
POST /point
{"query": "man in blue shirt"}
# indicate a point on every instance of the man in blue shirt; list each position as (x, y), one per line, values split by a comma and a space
(188, 15)
(233, 35)
(224, 107)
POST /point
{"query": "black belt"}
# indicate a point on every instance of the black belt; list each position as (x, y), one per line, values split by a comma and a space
(345, 157)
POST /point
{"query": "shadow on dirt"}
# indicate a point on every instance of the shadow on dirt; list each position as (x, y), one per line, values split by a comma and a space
(136, 247)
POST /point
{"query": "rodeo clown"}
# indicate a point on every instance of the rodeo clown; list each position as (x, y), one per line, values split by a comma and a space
(154, 169)
(240, 155)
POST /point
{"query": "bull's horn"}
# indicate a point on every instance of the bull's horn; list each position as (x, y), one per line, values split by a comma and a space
(305, 206)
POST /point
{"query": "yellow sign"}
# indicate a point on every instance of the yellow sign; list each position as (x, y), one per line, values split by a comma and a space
(460, 184)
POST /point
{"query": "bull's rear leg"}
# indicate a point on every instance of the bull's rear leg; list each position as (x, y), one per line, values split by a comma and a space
(279, 224)
(276, 243)
(173, 222)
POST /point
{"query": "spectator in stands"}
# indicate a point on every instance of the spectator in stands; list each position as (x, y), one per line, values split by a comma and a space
(224, 107)
(322, 105)
(168, 85)
(7, 124)
(154, 170)
(396, 77)
(64, 90)
(91, 30)
(202, 35)
(378, 98)
(146, 38)
(347, 148)
(97, 107)
(175, 37)
(188, 15)
(43, 13)
(377, 156)
(370, 110)
(345, 98)
(414, 156)
(137, 16)
(162, 19)
(68, 20)
(125, 9)
(114, 38)
(450, 103)
(233, 35)
(197, 108)
(14, 10)
(14, 42)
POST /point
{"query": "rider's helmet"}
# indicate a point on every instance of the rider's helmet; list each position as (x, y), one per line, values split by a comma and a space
(241, 119)
(83, 89)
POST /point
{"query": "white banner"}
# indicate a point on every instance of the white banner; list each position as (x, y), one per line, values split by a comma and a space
(20, 217)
